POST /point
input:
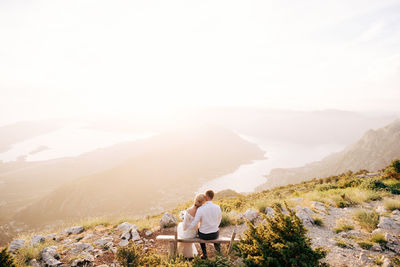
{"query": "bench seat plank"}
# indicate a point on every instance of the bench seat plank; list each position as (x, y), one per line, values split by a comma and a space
(194, 240)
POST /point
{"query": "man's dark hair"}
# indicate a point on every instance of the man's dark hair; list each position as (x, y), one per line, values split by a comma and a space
(210, 194)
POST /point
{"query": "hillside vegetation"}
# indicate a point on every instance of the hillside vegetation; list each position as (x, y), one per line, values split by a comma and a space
(353, 217)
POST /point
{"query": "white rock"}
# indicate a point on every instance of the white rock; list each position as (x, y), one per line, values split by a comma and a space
(50, 256)
(305, 214)
(34, 263)
(51, 237)
(392, 243)
(396, 212)
(16, 244)
(88, 236)
(389, 224)
(123, 243)
(387, 263)
(37, 239)
(250, 215)
(74, 230)
(380, 209)
(148, 232)
(103, 241)
(318, 206)
(296, 199)
(84, 260)
(269, 212)
(363, 258)
(168, 220)
(125, 226)
(126, 235)
(376, 247)
(81, 247)
(103, 265)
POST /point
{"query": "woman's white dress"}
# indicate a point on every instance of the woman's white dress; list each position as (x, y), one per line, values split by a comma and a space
(188, 250)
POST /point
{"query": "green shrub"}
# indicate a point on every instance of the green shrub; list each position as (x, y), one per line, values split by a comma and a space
(365, 244)
(325, 187)
(343, 228)
(129, 256)
(219, 261)
(318, 221)
(393, 170)
(6, 259)
(151, 259)
(392, 204)
(280, 241)
(374, 185)
(226, 220)
(367, 219)
(378, 238)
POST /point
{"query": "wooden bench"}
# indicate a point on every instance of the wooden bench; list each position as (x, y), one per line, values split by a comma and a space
(173, 241)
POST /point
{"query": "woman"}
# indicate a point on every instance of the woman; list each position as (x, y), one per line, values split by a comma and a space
(188, 250)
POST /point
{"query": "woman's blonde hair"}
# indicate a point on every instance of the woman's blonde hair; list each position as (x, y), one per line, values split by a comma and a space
(199, 200)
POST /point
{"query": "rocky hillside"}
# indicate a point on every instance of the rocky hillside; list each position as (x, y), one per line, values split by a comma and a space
(372, 152)
(355, 217)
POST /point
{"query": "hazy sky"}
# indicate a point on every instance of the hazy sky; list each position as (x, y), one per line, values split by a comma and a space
(60, 58)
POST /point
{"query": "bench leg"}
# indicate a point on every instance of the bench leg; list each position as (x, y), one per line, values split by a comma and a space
(172, 249)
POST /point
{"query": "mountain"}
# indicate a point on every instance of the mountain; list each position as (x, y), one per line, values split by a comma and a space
(168, 169)
(373, 151)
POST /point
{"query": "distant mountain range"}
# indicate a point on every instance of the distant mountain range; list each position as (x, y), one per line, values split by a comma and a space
(166, 171)
(375, 150)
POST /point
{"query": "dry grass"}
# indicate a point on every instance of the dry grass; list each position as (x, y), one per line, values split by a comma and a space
(392, 204)
(368, 220)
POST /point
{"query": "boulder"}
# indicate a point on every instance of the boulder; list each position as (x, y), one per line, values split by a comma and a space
(34, 263)
(376, 247)
(37, 239)
(148, 233)
(392, 243)
(103, 241)
(396, 212)
(84, 260)
(168, 220)
(305, 214)
(16, 244)
(363, 259)
(81, 247)
(387, 262)
(123, 243)
(131, 235)
(380, 209)
(51, 237)
(50, 256)
(250, 215)
(74, 230)
(269, 212)
(125, 226)
(318, 206)
(389, 224)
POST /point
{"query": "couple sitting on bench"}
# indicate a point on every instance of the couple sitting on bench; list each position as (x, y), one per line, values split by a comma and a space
(208, 215)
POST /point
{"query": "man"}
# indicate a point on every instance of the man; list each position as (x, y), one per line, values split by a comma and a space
(209, 216)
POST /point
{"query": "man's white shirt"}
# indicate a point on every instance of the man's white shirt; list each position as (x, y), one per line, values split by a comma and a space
(209, 216)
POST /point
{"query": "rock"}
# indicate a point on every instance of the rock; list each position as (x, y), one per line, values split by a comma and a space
(103, 265)
(16, 244)
(378, 230)
(392, 243)
(81, 247)
(376, 247)
(126, 235)
(168, 220)
(88, 236)
(363, 258)
(113, 249)
(318, 206)
(74, 230)
(84, 260)
(131, 235)
(123, 243)
(103, 241)
(269, 212)
(296, 199)
(250, 215)
(389, 224)
(37, 239)
(34, 263)
(387, 263)
(396, 212)
(50, 256)
(125, 226)
(51, 237)
(380, 209)
(148, 232)
(305, 214)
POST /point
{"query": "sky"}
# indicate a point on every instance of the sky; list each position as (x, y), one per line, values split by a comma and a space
(66, 58)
